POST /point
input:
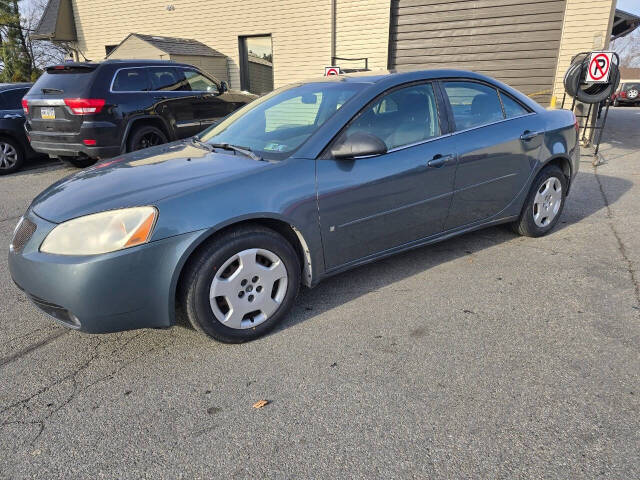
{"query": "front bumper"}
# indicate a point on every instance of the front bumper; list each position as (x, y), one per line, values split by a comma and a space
(123, 290)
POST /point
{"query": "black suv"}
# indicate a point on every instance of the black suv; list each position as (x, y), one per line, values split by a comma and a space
(80, 112)
(14, 146)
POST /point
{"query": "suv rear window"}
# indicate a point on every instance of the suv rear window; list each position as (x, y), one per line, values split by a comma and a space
(131, 80)
(64, 80)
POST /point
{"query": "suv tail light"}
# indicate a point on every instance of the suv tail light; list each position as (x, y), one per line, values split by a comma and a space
(623, 94)
(84, 106)
(25, 105)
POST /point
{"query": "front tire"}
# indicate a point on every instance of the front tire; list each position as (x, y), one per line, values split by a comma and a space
(240, 285)
(11, 156)
(544, 204)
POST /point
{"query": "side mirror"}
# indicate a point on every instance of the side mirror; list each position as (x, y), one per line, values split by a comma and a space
(360, 144)
(223, 87)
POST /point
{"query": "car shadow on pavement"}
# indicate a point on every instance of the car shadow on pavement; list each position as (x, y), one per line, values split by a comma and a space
(584, 200)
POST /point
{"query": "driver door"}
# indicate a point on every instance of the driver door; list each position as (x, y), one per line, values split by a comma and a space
(374, 204)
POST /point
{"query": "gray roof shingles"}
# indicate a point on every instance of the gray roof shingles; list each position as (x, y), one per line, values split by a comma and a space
(47, 25)
(179, 46)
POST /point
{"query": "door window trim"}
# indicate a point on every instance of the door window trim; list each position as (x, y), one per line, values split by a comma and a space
(443, 122)
(487, 84)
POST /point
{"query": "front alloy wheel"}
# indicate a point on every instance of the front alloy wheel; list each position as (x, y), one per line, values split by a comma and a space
(240, 285)
(248, 288)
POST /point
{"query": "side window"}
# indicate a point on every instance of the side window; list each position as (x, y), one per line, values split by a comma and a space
(168, 79)
(199, 83)
(131, 80)
(511, 107)
(402, 117)
(11, 99)
(473, 104)
(300, 111)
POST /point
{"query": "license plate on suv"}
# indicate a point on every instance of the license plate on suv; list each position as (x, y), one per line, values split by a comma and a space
(48, 113)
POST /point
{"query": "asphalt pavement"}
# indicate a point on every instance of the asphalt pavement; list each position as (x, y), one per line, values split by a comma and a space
(486, 356)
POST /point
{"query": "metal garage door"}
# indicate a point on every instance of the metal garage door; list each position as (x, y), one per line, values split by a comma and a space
(516, 41)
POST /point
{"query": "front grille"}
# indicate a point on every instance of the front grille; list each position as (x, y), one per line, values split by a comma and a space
(23, 233)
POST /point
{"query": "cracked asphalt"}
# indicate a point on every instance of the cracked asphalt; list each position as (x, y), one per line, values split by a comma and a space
(487, 356)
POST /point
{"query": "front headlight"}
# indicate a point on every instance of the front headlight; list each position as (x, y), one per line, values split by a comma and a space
(101, 232)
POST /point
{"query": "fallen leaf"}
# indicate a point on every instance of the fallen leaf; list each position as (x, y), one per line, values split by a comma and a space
(261, 403)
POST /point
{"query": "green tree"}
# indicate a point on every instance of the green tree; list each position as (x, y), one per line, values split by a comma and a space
(17, 62)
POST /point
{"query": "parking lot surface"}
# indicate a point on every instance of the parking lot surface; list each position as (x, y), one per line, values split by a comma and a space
(486, 356)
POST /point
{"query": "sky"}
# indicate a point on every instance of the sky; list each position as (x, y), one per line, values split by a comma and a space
(631, 6)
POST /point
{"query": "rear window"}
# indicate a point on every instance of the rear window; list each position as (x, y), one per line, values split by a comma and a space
(131, 80)
(11, 99)
(67, 81)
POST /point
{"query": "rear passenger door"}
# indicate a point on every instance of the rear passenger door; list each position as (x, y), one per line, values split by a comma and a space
(173, 99)
(497, 149)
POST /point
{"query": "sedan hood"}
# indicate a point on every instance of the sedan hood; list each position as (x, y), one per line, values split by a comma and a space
(139, 178)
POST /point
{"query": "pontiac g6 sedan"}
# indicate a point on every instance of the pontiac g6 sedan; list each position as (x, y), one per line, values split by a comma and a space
(306, 182)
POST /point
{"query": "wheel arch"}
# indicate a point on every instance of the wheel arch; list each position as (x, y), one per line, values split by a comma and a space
(563, 162)
(289, 231)
(155, 121)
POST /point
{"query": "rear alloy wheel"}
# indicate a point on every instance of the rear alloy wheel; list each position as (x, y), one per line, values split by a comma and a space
(11, 156)
(544, 204)
(632, 94)
(241, 284)
(145, 137)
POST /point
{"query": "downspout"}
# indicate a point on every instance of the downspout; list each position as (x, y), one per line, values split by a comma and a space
(333, 30)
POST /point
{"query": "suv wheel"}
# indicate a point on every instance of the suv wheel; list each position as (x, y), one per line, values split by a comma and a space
(78, 162)
(145, 136)
(544, 204)
(11, 156)
(241, 285)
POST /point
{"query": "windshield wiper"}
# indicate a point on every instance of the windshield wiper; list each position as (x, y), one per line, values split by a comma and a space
(227, 146)
(51, 90)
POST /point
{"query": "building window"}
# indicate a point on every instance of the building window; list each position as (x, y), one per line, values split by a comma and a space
(256, 64)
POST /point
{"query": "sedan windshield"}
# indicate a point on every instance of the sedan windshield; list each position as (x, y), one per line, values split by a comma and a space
(277, 124)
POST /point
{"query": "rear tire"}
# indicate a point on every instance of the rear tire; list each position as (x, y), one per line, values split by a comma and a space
(11, 156)
(78, 162)
(544, 204)
(145, 136)
(240, 285)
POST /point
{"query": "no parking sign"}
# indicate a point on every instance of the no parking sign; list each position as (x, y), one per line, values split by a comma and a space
(333, 70)
(599, 67)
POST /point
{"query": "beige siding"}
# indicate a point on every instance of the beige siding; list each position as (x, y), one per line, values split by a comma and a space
(362, 30)
(300, 29)
(132, 47)
(216, 66)
(587, 26)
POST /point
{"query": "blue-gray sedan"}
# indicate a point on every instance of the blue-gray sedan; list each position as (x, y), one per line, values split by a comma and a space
(301, 184)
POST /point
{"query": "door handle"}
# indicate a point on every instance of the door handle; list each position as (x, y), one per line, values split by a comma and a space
(439, 160)
(528, 135)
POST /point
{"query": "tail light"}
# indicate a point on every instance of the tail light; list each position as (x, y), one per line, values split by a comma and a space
(90, 142)
(575, 123)
(623, 94)
(84, 106)
(25, 106)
